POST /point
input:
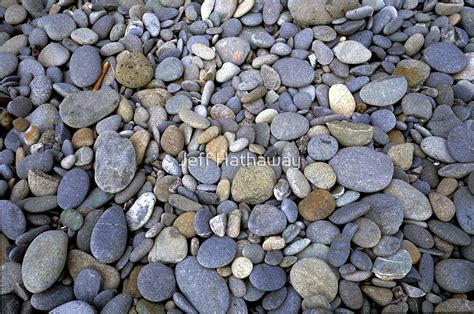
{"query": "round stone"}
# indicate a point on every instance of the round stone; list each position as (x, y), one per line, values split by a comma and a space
(322, 231)
(170, 247)
(241, 267)
(85, 66)
(318, 205)
(233, 49)
(310, 276)
(72, 219)
(205, 170)
(362, 169)
(253, 184)
(156, 282)
(386, 211)
(57, 26)
(217, 252)
(417, 105)
(351, 294)
(170, 69)
(294, 72)
(84, 36)
(73, 188)
(44, 260)
(267, 278)
(322, 147)
(87, 285)
(133, 70)
(435, 56)
(352, 52)
(266, 220)
(455, 275)
(289, 126)
(321, 175)
(368, 234)
(15, 14)
(464, 201)
(13, 222)
(395, 88)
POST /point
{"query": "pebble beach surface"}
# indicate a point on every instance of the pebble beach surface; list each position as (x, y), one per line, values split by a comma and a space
(236, 156)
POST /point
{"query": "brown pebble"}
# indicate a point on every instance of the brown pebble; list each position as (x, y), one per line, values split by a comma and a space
(318, 205)
(130, 284)
(443, 207)
(217, 149)
(21, 124)
(447, 186)
(412, 250)
(172, 140)
(82, 138)
(185, 224)
(32, 135)
(396, 136)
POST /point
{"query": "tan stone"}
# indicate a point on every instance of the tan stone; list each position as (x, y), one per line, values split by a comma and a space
(217, 149)
(140, 140)
(318, 205)
(411, 248)
(185, 224)
(341, 100)
(172, 140)
(83, 137)
(443, 207)
(402, 155)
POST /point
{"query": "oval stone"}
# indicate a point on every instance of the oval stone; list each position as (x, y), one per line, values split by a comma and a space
(267, 278)
(289, 126)
(394, 88)
(294, 72)
(156, 282)
(140, 212)
(217, 252)
(265, 220)
(13, 222)
(311, 276)
(109, 236)
(44, 260)
(73, 188)
(362, 169)
(455, 275)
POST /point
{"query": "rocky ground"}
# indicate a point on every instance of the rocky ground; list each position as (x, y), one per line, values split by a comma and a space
(236, 156)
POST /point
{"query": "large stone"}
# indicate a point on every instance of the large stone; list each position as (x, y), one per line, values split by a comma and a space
(455, 275)
(44, 260)
(311, 276)
(253, 184)
(82, 109)
(394, 88)
(415, 204)
(316, 12)
(362, 169)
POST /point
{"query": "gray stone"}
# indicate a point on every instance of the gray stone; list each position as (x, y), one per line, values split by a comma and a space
(204, 170)
(53, 54)
(315, 12)
(13, 222)
(170, 69)
(87, 285)
(435, 56)
(217, 252)
(109, 236)
(267, 278)
(349, 212)
(394, 266)
(460, 143)
(322, 231)
(156, 282)
(44, 260)
(80, 110)
(233, 49)
(294, 72)
(8, 65)
(415, 205)
(73, 188)
(362, 169)
(449, 232)
(53, 297)
(115, 163)
(265, 220)
(85, 66)
(57, 26)
(74, 307)
(464, 201)
(352, 52)
(395, 88)
(289, 126)
(191, 277)
(322, 147)
(455, 275)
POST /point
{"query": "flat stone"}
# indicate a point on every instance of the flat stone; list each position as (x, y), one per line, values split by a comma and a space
(395, 87)
(435, 56)
(294, 72)
(85, 66)
(289, 126)
(57, 26)
(53, 297)
(109, 236)
(80, 110)
(341, 100)
(311, 276)
(87, 285)
(53, 54)
(415, 72)
(233, 49)
(351, 294)
(156, 282)
(44, 260)
(436, 147)
(352, 52)
(362, 169)
(170, 69)
(394, 266)
(322, 147)
(191, 277)
(460, 143)
(170, 247)
(217, 252)
(349, 212)
(267, 278)
(73, 188)
(204, 170)
(265, 220)
(449, 232)
(454, 305)
(316, 12)
(115, 163)
(74, 307)
(415, 205)
(455, 275)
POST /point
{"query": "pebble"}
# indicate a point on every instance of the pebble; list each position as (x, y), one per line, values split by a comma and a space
(460, 143)
(321, 175)
(57, 26)
(233, 49)
(289, 126)
(217, 252)
(352, 52)
(9, 64)
(351, 134)
(204, 170)
(44, 261)
(455, 275)
(156, 282)
(170, 247)
(133, 70)
(85, 66)
(396, 87)
(463, 200)
(415, 205)
(141, 211)
(322, 147)
(73, 188)
(109, 236)
(191, 277)
(341, 100)
(87, 285)
(311, 276)
(115, 162)
(53, 297)
(294, 72)
(13, 222)
(74, 307)
(266, 220)
(253, 184)
(319, 204)
(435, 54)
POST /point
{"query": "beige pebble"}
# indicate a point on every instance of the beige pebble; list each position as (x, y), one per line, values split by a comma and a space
(233, 223)
(442, 206)
(242, 267)
(273, 243)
